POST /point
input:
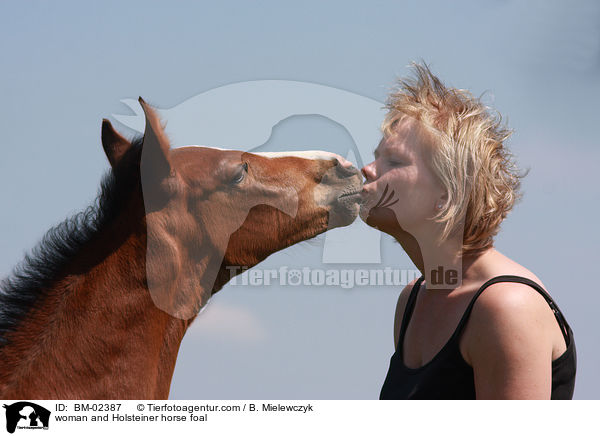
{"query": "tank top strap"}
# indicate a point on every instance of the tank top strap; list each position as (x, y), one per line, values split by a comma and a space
(408, 310)
(562, 322)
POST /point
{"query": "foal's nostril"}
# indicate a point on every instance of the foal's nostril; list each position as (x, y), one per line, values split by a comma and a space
(344, 162)
(344, 171)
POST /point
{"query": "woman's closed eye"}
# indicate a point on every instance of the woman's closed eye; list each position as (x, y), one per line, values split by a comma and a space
(395, 162)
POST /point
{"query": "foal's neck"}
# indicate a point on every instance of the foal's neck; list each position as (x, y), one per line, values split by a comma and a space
(97, 334)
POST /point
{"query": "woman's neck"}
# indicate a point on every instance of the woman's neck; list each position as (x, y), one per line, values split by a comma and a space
(443, 265)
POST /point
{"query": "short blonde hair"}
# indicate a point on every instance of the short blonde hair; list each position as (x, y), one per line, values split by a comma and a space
(468, 156)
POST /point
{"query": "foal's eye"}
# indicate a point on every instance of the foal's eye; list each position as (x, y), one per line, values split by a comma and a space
(241, 173)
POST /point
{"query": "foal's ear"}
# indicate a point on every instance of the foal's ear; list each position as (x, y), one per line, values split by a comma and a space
(113, 143)
(155, 148)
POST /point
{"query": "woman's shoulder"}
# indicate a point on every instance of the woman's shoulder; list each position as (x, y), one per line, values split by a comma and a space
(508, 302)
(507, 310)
(504, 299)
(504, 291)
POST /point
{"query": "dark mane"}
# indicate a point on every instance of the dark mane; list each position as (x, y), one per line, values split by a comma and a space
(34, 277)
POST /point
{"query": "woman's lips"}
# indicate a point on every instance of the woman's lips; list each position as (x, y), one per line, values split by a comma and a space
(365, 195)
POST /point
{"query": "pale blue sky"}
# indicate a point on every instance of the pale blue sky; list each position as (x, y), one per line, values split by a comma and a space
(66, 65)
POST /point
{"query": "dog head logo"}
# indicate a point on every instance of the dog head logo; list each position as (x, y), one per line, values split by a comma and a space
(26, 415)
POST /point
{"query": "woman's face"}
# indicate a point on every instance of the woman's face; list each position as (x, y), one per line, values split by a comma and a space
(401, 191)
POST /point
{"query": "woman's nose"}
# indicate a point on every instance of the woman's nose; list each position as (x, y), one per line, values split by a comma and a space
(368, 171)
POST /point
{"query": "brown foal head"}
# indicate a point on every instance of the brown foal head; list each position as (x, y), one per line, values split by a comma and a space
(206, 209)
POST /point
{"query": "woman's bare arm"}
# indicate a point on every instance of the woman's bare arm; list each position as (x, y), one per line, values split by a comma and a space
(510, 344)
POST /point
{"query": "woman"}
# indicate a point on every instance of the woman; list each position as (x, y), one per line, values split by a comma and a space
(476, 324)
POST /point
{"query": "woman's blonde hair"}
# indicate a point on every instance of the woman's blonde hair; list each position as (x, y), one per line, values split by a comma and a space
(469, 158)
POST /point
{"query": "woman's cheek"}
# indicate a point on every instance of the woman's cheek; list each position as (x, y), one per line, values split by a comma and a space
(382, 194)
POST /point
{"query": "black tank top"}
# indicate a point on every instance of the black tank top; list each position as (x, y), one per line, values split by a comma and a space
(448, 376)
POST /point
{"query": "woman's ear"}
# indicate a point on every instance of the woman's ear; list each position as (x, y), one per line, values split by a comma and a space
(441, 201)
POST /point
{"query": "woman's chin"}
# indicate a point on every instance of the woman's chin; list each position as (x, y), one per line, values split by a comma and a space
(383, 219)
